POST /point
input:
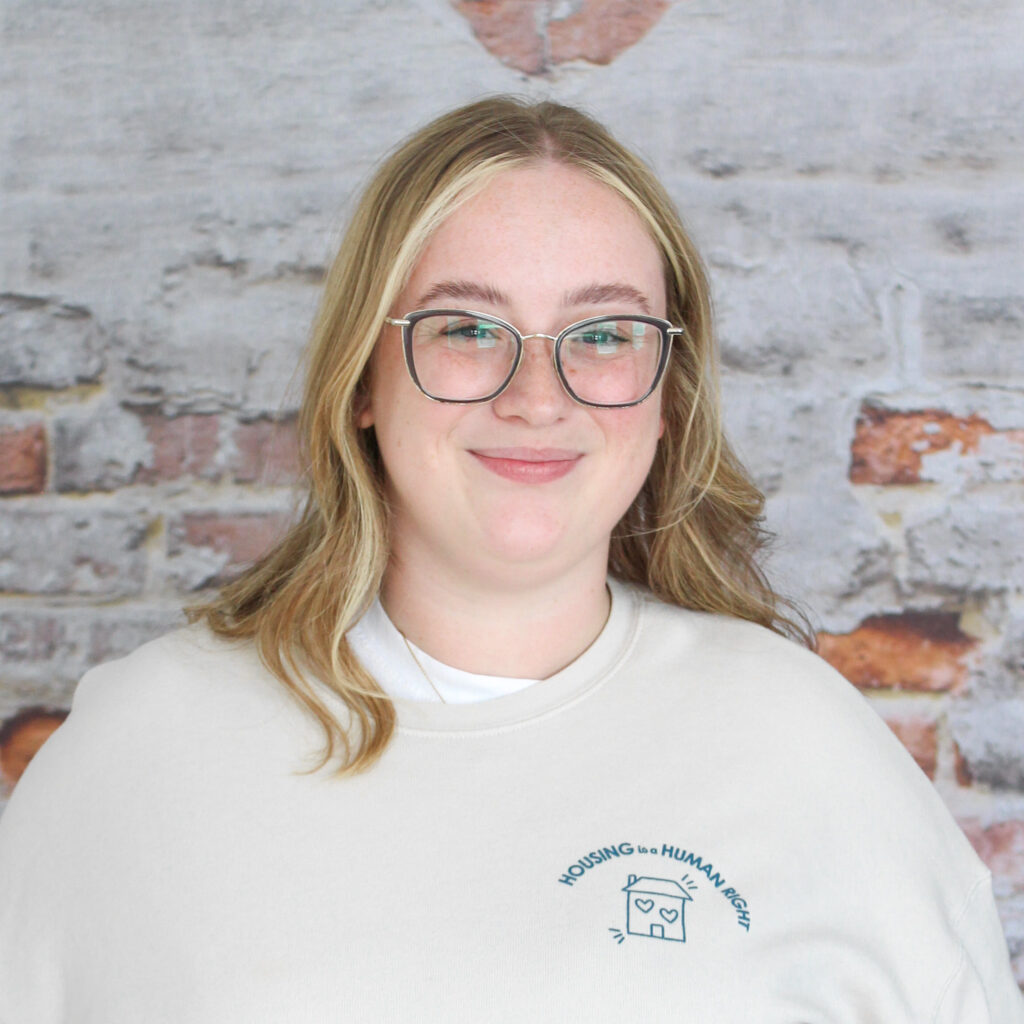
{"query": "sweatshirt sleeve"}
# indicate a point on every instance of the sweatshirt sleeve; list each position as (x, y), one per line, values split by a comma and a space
(982, 989)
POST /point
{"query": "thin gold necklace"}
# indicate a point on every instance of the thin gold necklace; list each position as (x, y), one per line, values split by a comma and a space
(426, 675)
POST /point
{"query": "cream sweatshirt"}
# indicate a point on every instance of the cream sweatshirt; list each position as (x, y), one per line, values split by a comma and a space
(695, 821)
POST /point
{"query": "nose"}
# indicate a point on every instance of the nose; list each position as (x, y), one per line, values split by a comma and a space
(535, 394)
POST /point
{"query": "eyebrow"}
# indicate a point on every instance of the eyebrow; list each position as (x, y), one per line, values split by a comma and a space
(593, 294)
(467, 290)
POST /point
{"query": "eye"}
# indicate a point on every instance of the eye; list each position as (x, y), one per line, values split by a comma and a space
(601, 339)
(471, 333)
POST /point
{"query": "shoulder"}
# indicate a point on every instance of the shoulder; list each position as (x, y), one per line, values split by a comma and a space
(158, 745)
(745, 659)
(736, 655)
(186, 704)
(783, 715)
(187, 668)
(775, 693)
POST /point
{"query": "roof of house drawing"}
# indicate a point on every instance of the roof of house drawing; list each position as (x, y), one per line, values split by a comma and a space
(656, 886)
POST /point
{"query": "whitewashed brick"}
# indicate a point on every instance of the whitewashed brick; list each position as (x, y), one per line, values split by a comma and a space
(988, 733)
(99, 448)
(218, 340)
(84, 553)
(47, 344)
(978, 337)
(970, 545)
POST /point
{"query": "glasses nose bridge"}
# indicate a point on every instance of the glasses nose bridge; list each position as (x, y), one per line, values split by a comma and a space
(553, 338)
(523, 338)
(537, 334)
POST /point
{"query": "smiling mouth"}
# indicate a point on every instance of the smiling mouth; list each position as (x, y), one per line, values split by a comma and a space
(528, 465)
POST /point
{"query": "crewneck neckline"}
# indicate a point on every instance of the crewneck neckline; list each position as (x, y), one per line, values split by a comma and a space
(410, 673)
(534, 699)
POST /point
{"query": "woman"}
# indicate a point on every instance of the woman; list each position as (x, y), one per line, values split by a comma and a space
(571, 771)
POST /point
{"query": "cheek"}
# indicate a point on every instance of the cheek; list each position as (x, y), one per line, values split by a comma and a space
(417, 438)
(632, 441)
(651, 433)
(644, 426)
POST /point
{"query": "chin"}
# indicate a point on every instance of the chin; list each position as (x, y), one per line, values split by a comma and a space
(524, 545)
(525, 542)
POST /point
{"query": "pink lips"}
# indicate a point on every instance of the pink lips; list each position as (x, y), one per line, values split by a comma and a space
(528, 465)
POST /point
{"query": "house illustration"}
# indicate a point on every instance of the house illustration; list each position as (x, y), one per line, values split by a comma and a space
(654, 907)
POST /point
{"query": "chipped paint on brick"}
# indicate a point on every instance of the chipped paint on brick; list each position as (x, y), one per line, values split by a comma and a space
(890, 447)
(911, 651)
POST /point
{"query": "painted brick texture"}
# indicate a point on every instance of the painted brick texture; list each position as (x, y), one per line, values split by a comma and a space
(849, 172)
(898, 447)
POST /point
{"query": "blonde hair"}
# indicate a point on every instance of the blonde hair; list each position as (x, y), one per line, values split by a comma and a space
(691, 535)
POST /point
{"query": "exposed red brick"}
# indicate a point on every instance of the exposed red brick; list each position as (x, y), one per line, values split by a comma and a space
(243, 537)
(526, 35)
(509, 29)
(182, 446)
(267, 452)
(888, 446)
(1001, 847)
(601, 29)
(911, 651)
(22, 460)
(920, 738)
(21, 737)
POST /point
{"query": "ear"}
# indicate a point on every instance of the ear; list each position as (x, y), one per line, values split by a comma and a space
(362, 403)
(362, 409)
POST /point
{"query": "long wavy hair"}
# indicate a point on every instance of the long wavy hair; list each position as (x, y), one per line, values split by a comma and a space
(691, 536)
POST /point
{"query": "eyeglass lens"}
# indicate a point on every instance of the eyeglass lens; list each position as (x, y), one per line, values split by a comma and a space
(464, 358)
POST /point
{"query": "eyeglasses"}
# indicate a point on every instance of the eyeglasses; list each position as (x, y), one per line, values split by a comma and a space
(456, 355)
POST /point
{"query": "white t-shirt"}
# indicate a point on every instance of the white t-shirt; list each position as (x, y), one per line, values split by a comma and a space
(408, 672)
(694, 821)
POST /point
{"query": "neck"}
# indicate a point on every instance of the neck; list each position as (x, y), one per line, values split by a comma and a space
(527, 631)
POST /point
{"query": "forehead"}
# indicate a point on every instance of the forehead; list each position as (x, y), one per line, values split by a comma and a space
(541, 230)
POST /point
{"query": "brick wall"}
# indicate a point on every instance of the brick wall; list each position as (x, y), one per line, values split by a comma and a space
(174, 176)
